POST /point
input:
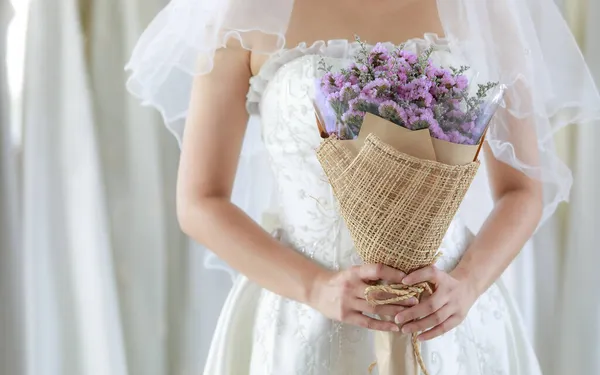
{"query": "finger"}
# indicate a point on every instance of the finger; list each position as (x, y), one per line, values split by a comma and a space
(429, 321)
(364, 321)
(431, 274)
(381, 310)
(423, 309)
(440, 329)
(376, 272)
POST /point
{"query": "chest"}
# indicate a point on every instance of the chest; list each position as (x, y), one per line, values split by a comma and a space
(373, 21)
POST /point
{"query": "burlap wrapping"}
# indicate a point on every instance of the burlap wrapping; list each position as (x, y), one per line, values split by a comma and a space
(397, 207)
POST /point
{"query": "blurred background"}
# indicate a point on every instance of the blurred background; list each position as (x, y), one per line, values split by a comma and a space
(96, 277)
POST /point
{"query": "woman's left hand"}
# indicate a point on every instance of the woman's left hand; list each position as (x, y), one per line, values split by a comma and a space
(440, 312)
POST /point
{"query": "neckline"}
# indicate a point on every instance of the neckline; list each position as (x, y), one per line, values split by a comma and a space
(334, 48)
(339, 48)
(432, 38)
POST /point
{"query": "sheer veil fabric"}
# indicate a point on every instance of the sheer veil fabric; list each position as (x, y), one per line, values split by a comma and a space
(525, 45)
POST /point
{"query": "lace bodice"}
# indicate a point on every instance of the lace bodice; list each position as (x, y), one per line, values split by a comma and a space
(282, 95)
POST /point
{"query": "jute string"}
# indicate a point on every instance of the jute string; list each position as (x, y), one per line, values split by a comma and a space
(402, 293)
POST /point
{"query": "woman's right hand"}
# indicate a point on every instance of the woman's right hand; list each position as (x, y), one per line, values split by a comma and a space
(340, 296)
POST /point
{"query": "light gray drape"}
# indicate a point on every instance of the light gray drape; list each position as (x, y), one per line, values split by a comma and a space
(11, 323)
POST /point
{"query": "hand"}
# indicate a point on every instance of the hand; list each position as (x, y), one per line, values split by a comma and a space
(340, 296)
(440, 312)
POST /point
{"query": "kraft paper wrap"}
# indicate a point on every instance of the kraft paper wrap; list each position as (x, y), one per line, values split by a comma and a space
(395, 354)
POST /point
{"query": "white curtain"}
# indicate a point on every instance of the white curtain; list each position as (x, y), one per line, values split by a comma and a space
(112, 286)
(72, 320)
(169, 302)
(577, 351)
(11, 334)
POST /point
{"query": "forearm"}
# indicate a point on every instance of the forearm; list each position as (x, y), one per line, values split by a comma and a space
(244, 245)
(510, 225)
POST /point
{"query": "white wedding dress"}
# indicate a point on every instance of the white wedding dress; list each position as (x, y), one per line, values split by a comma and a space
(260, 333)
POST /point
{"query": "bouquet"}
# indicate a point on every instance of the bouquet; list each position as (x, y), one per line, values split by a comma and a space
(401, 142)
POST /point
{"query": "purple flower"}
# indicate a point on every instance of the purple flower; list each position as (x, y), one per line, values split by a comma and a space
(391, 111)
(353, 115)
(448, 80)
(455, 113)
(335, 96)
(339, 80)
(455, 136)
(432, 71)
(397, 86)
(410, 57)
(419, 118)
(349, 91)
(381, 72)
(352, 122)
(418, 90)
(462, 82)
(379, 55)
(468, 127)
(362, 103)
(379, 88)
(332, 82)
(454, 104)
(439, 91)
(437, 132)
(380, 49)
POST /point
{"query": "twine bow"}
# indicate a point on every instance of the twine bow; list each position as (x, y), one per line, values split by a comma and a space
(401, 293)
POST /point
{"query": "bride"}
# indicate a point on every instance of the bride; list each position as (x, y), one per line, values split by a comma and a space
(298, 306)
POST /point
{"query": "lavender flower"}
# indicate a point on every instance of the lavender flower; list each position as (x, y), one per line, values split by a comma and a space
(352, 121)
(420, 118)
(462, 82)
(418, 91)
(408, 56)
(391, 111)
(379, 56)
(407, 89)
(436, 131)
(349, 91)
(455, 136)
(379, 88)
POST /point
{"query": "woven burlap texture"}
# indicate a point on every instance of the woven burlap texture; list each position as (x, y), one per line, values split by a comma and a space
(396, 207)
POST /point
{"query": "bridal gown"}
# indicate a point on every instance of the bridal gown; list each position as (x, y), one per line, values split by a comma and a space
(261, 333)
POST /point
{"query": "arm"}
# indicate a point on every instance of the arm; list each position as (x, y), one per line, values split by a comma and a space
(211, 147)
(516, 214)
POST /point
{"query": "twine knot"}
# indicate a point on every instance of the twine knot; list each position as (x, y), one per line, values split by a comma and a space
(400, 292)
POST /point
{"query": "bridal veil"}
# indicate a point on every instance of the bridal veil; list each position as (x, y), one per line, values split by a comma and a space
(526, 45)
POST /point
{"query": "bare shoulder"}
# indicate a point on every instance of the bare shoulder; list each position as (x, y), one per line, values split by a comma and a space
(232, 56)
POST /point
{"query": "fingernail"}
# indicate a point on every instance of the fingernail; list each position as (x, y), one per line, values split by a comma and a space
(405, 282)
(405, 329)
(397, 320)
(396, 329)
